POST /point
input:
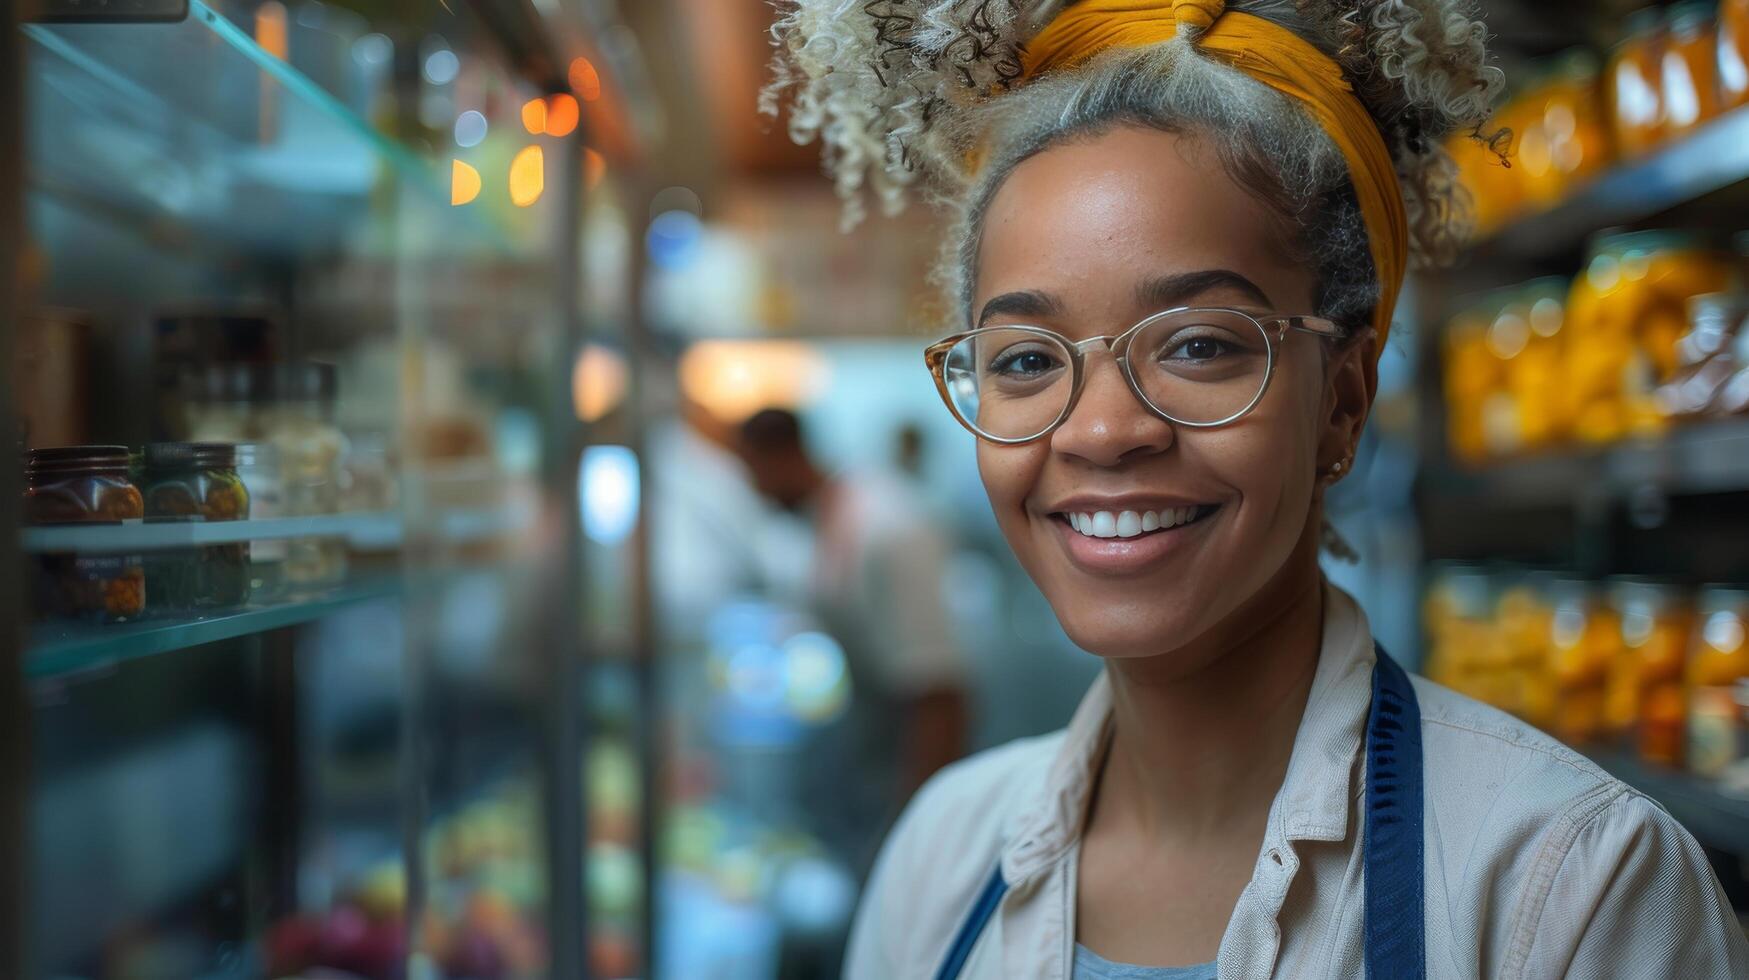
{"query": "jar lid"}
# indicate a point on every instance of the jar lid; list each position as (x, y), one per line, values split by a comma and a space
(190, 456)
(256, 383)
(74, 460)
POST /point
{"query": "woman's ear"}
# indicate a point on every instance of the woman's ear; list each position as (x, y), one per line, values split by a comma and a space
(1353, 380)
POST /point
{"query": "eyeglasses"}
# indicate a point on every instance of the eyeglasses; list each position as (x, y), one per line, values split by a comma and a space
(1197, 367)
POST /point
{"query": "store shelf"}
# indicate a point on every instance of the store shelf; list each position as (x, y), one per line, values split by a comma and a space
(375, 531)
(1713, 157)
(194, 128)
(59, 649)
(1715, 819)
(1705, 458)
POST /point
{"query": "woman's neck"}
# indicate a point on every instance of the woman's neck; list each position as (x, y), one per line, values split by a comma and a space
(1203, 754)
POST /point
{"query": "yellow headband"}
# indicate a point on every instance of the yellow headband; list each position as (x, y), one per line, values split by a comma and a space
(1277, 57)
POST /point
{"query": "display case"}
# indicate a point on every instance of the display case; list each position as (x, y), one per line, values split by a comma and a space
(298, 626)
(1584, 484)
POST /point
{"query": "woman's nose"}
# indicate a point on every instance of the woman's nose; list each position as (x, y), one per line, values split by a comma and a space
(1109, 423)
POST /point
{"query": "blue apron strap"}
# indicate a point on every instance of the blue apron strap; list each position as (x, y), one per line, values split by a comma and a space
(1395, 860)
(982, 910)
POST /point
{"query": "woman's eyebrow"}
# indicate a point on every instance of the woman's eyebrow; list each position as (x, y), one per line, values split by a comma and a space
(1164, 292)
(1028, 303)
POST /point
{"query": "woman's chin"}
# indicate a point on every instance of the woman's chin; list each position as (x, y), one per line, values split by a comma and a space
(1123, 637)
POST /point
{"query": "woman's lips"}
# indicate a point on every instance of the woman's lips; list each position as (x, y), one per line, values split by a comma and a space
(1126, 556)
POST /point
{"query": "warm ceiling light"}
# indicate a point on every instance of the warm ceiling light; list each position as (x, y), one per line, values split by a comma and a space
(585, 81)
(527, 176)
(464, 183)
(562, 115)
(534, 116)
(598, 382)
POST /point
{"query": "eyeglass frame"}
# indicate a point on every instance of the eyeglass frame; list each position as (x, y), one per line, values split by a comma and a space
(935, 356)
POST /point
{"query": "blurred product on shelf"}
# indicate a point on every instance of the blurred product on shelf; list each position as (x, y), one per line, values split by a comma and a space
(1673, 70)
(1651, 320)
(85, 485)
(195, 482)
(1733, 36)
(1689, 87)
(1718, 690)
(289, 407)
(1644, 701)
(1630, 661)
(258, 467)
(1635, 90)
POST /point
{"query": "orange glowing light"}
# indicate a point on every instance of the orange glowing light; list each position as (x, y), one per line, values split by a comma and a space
(534, 116)
(562, 115)
(585, 81)
(464, 183)
(598, 382)
(732, 379)
(594, 168)
(528, 177)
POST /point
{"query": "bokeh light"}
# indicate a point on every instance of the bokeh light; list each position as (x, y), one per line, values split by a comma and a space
(528, 176)
(470, 128)
(585, 80)
(563, 114)
(464, 183)
(534, 116)
(442, 66)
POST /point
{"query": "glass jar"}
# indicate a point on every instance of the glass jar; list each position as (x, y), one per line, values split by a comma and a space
(1583, 631)
(258, 467)
(1563, 134)
(1646, 697)
(1634, 84)
(195, 482)
(85, 485)
(1718, 687)
(1733, 53)
(1689, 87)
(1626, 313)
(299, 424)
(1705, 355)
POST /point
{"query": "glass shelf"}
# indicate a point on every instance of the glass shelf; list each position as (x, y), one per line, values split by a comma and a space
(233, 143)
(375, 531)
(59, 649)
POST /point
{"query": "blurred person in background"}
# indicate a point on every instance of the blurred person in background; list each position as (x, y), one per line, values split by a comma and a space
(875, 581)
(1183, 228)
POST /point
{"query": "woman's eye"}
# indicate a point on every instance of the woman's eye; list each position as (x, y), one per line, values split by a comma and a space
(1198, 349)
(1023, 362)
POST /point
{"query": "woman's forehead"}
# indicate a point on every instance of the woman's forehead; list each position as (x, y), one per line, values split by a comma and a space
(1112, 214)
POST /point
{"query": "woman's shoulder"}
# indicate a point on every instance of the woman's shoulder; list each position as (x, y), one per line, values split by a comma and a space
(1490, 775)
(1518, 822)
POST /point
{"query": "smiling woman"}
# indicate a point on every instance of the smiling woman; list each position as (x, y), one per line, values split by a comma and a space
(1181, 229)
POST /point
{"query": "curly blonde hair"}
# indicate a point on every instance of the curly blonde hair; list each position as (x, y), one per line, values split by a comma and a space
(898, 90)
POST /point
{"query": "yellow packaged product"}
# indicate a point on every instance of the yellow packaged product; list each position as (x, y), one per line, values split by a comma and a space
(1733, 53)
(1718, 688)
(1689, 87)
(1646, 698)
(1634, 83)
(1584, 632)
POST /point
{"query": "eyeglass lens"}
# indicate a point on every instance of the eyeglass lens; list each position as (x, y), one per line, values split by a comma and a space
(1198, 367)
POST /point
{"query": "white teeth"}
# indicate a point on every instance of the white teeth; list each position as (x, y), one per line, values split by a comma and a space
(1129, 523)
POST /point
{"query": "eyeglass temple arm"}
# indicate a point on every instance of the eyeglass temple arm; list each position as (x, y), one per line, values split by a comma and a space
(1315, 325)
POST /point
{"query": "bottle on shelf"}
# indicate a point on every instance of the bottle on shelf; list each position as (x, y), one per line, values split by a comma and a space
(1634, 85)
(1718, 689)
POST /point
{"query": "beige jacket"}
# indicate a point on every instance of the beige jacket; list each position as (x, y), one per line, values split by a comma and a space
(1538, 863)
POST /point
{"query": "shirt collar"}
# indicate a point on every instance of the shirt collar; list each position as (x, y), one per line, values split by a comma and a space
(1314, 799)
